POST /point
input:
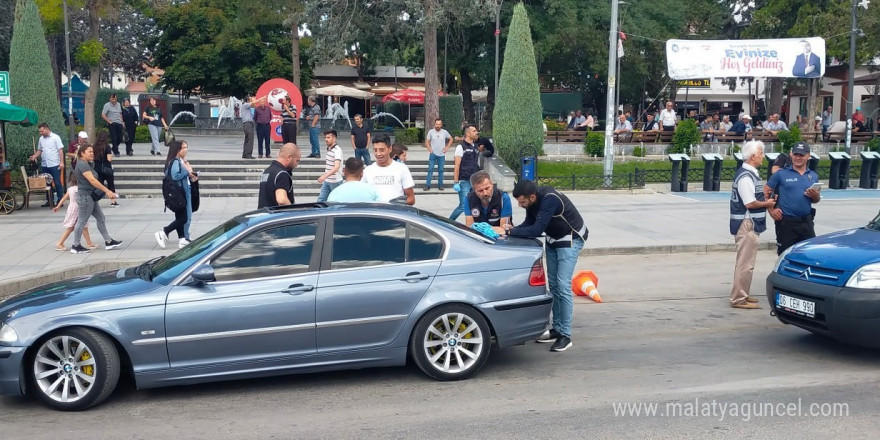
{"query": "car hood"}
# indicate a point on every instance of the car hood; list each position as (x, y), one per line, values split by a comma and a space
(842, 250)
(103, 287)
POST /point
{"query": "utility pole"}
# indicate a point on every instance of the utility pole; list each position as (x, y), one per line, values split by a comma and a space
(497, 40)
(609, 99)
(70, 120)
(850, 81)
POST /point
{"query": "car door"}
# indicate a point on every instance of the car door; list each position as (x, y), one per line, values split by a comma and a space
(374, 272)
(261, 307)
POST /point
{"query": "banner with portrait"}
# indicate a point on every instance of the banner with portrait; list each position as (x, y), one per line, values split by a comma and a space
(784, 57)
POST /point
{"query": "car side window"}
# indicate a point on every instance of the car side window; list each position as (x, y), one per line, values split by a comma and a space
(283, 250)
(423, 245)
(367, 241)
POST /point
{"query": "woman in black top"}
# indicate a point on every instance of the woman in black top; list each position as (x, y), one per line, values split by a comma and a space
(104, 163)
(288, 127)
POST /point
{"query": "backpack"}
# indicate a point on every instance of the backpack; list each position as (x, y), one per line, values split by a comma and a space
(172, 192)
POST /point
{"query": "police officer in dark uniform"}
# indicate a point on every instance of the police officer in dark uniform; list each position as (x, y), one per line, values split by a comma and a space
(552, 213)
(488, 204)
(793, 188)
(276, 183)
(467, 162)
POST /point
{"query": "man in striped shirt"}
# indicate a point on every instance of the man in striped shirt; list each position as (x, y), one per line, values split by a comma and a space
(332, 176)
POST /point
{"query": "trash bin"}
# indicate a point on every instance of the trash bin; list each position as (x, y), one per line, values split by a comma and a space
(528, 163)
(712, 171)
(814, 161)
(771, 157)
(870, 163)
(839, 178)
(739, 160)
(680, 165)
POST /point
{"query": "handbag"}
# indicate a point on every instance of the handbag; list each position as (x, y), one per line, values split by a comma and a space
(96, 194)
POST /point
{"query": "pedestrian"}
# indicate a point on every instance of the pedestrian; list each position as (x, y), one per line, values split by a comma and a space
(353, 190)
(827, 120)
(360, 139)
(104, 164)
(398, 152)
(130, 121)
(437, 142)
(182, 173)
(112, 115)
(70, 219)
(82, 138)
(467, 162)
(313, 115)
(90, 191)
(247, 125)
(488, 204)
(748, 219)
(392, 180)
(795, 190)
(288, 118)
(332, 176)
(550, 212)
(51, 154)
(276, 183)
(152, 116)
(263, 119)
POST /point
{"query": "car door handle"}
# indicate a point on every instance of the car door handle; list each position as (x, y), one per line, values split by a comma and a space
(298, 289)
(414, 277)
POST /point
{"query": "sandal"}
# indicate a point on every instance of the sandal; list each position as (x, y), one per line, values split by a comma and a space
(60, 247)
(92, 246)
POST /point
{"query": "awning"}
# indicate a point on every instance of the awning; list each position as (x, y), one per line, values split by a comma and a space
(864, 80)
(17, 115)
(338, 90)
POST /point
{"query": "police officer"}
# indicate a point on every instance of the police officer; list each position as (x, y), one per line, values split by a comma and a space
(276, 183)
(487, 204)
(793, 187)
(748, 218)
(552, 213)
(467, 162)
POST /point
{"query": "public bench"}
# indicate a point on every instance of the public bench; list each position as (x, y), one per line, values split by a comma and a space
(565, 137)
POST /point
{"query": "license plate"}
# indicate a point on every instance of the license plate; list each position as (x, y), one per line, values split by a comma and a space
(795, 305)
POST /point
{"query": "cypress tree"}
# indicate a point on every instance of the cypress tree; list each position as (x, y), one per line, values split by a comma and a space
(517, 119)
(31, 82)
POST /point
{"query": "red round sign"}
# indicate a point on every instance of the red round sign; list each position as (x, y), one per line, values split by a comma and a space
(274, 90)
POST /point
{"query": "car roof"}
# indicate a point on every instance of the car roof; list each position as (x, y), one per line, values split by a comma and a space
(323, 208)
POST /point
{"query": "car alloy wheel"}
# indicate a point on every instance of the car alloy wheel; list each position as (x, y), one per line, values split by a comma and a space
(74, 369)
(451, 342)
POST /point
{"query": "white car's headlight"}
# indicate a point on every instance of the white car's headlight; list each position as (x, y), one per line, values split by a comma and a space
(781, 259)
(867, 277)
(7, 334)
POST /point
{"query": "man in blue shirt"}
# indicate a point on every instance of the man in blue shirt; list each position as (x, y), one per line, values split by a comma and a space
(352, 189)
(487, 204)
(793, 187)
(743, 125)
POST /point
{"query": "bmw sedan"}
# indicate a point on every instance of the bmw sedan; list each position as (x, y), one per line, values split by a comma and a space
(296, 289)
(830, 285)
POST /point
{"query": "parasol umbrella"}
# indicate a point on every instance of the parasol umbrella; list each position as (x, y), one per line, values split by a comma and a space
(338, 90)
(409, 96)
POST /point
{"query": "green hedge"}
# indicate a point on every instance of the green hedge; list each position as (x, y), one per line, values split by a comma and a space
(142, 134)
(398, 109)
(787, 138)
(594, 144)
(409, 136)
(686, 135)
(450, 112)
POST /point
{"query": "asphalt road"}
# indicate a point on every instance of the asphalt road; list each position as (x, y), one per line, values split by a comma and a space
(665, 335)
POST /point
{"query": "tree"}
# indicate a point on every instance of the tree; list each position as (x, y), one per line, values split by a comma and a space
(31, 79)
(5, 31)
(517, 118)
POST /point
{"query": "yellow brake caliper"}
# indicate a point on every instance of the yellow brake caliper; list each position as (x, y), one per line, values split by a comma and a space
(88, 370)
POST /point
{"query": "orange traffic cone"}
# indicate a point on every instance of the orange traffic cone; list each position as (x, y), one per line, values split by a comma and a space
(584, 284)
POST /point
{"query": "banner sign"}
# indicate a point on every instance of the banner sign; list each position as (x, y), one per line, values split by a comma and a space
(704, 83)
(779, 58)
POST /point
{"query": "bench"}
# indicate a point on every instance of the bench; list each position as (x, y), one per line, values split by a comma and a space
(648, 137)
(729, 136)
(811, 136)
(665, 137)
(764, 136)
(564, 137)
(857, 137)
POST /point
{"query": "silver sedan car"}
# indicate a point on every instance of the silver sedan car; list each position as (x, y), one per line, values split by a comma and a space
(298, 289)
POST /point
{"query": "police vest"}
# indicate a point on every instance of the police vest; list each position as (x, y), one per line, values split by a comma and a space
(491, 214)
(564, 225)
(738, 209)
(470, 161)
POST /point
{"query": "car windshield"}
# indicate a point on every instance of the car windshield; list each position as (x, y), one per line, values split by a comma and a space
(459, 227)
(166, 269)
(874, 225)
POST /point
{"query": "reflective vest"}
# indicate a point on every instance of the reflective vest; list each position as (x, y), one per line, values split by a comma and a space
(738, 210)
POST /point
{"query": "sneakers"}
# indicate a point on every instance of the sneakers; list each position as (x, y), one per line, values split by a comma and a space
(745, 305)
(549, 336)
(78, 249)
(561, 344)
(441, 187)
(114, 205)
(112, 244)
(183, 242)
(427, 188)
(161, 238)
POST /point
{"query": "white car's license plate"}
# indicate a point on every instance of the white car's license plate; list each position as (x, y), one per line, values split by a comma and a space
(799, 306)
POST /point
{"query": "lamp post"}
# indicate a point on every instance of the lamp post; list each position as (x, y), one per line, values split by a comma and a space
(497, 39)
(70, 120)
(850, 82)
(609, 98)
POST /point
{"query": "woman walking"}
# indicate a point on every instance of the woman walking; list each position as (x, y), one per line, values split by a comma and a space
(89, 189)
(104, 164)
(182, 173)
(152, 114)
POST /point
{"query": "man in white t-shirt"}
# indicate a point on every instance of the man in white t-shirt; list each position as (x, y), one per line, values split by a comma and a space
(392, 179)
(437, 141)
(667, 117)
(332, 176)
(51, 155)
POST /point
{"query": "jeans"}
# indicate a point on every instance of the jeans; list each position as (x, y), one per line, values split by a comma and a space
(264, 137)
(56, 177)
(462, 199)
(314, 133)
(364, 155)
(560, 269)
(154, 136)
(88, 208)
(440, 160)
(326, 188)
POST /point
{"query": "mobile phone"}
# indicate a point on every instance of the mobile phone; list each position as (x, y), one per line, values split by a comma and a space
(817, 186)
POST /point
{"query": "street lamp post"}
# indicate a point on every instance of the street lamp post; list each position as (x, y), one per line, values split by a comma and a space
(609, 98)
(497, 39)
(850, 82)
(70, 120)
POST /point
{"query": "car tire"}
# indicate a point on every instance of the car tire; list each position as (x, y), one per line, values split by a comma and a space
(451, 342)
(73, 369)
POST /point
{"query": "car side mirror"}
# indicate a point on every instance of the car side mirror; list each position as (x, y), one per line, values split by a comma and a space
(203, 274)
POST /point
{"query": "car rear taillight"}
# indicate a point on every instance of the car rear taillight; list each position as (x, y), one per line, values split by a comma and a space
(536, 276)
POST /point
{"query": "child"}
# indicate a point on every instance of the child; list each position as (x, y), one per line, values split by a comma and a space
(70, 219)
(398, 152)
